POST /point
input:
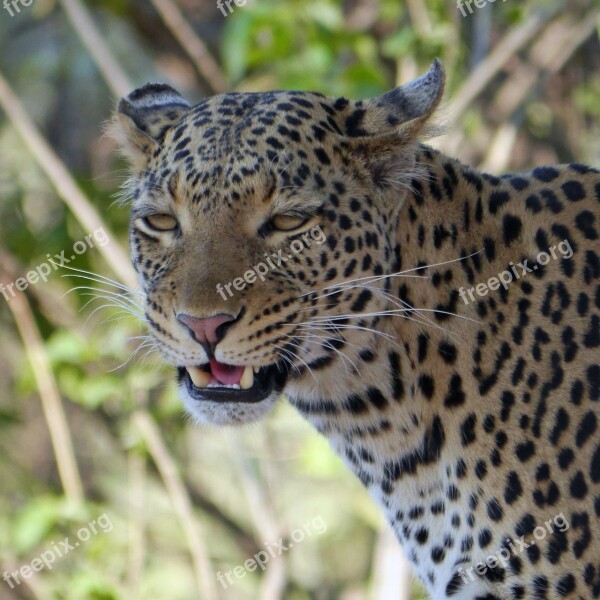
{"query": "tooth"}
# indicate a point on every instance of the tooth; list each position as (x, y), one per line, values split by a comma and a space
(199, 377)
(247, 380)
(256, 369)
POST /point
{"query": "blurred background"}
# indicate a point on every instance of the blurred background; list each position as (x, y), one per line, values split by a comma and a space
(90, 424)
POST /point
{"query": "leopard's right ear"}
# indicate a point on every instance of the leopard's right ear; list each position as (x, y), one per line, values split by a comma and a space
(142, 119)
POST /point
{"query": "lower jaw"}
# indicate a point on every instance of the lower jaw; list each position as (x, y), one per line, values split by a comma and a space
(269, 380)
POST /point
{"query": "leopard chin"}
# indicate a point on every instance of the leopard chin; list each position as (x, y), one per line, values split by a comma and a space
(219, 414)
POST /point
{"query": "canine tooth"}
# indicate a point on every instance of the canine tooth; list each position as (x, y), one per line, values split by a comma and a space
(247, 380)
(256, 370)
(199, 377)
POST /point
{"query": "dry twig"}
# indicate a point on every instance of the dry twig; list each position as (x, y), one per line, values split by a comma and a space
(97, 47)
(547, 57)
(60, 435)
(263, 515)
(189, 40)
(64, 183)
(181, 501)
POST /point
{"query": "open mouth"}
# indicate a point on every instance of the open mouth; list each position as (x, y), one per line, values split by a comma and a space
(229, 383)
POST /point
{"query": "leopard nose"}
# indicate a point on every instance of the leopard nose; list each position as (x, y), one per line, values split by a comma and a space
(208, 331)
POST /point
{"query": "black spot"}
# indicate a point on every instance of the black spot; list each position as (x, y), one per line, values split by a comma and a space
(480, 469)
(345, 222)
(454, 585)
(525, 526)
(467, 430)
(494, 510)
(540, 584)
(427, 385)
(453, 493)
(438, 554)
(566, 585)
(557, 545)
(592, 337)
(456, 395)
(422, 535)
(584, 221)
(513, 489)
(525, 451)
(366, 355)
(322, 156)
(595, 466)
(508, 400)
(587, 428)
(361, 301)
(376, 398)
(511, 226)
(438, 508)
(545, 174)
(498, 199)
(573, 190)
(448, 352)
(578, 487)
(552, 201)
(461, 468)
(353, 122)
(355, 404)
(519, 183)
(397, 383)
(565, 458)
(576, 393)
(485, 538)
(533, 204)
(593, 377)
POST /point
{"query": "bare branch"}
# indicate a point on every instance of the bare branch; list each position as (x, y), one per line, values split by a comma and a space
(181, 501)
(196, 49)
(95, 44)
(487, 69)
(263, 515)
(63, 181)
(547, 57)
(60, 436)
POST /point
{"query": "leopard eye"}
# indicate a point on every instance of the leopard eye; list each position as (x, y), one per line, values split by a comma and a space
(287, 222)
(161, 222)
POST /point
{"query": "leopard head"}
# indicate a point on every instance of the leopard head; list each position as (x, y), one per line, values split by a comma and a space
(252, 216)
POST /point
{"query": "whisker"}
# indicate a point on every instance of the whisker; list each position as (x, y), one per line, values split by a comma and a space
(397, 274)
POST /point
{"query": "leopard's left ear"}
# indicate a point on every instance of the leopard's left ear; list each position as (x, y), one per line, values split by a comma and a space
(403, 110)
(382, 132)
(142, 119)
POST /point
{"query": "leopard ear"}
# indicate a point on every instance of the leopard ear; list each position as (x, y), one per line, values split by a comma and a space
(403, 110)
(142, 119)
(382, 132)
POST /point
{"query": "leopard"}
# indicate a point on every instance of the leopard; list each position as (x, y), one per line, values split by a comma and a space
(438, 324)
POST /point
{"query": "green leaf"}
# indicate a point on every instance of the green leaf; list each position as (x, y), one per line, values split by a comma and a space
(37, 519)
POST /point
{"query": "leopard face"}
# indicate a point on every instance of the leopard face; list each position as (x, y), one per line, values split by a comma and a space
(273, 187)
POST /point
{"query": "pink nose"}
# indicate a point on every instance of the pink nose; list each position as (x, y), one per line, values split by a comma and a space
(205, 330)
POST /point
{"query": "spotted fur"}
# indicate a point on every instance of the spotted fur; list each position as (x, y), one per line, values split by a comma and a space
(470, 423)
